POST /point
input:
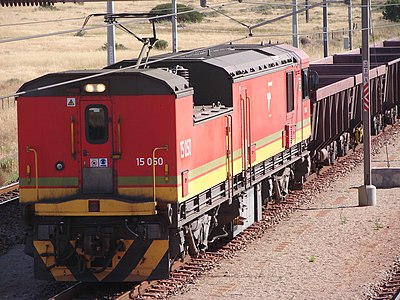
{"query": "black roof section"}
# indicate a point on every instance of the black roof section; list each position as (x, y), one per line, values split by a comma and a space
(120, 82)
(237, 60)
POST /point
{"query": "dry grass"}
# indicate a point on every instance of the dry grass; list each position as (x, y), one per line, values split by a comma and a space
(8, 144)
(26, 60)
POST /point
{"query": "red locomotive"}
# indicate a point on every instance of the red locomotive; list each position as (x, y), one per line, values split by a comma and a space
(123, 171)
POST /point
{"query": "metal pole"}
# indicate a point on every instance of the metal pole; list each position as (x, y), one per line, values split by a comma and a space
(111, 53)
(350, 25)
(325, 27)
(307, 12)
(295, 24)
(369, 21)
(367, 192)
(174, 28)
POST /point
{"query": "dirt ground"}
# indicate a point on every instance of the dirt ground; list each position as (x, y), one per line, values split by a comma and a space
(329, 249)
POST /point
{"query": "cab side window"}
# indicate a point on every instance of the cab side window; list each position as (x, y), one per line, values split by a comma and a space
(289, 92)
(305, 91)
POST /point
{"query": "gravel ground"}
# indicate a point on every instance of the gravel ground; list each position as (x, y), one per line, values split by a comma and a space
(16, 268)
(11, 227)
(328, 249)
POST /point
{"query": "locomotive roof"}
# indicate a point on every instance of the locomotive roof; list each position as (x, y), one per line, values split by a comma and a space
(120, 82)
(237, 60)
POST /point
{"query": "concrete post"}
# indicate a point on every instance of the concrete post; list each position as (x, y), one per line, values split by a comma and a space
(174, 28)
(366, 193)
(350, 25)
(295, 24)
(111, 53)
(325, 27)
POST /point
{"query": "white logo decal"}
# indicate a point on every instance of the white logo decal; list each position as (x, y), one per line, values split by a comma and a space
(186, 148)
(269, 97)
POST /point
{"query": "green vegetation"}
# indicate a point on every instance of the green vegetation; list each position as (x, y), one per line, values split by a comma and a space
(343, 218)
(8, 170)
(378, 225)
(166, 9)
(117, 47)
(391, 10)
(161, 45)
(8, 142)
(49, 7)
(311, 258)
(80, 33)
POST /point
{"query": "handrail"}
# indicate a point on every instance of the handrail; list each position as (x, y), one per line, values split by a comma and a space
(230, 154)
(248, 100)
(118, 154)
(154, 171)
(119, 135)
(30, 149)
(73, 153)
(244, 135)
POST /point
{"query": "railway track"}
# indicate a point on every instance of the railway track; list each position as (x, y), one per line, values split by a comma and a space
(90, 291)
(389, 289)
(9, 193)
(71, 292)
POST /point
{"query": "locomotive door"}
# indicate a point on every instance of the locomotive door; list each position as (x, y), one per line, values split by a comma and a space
(96, 146)
(290, 127)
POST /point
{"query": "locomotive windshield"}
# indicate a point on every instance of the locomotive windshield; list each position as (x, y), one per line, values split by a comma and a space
(96, 124)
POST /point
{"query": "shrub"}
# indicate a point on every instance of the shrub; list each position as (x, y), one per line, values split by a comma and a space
(161, 45)
(80, 33)
(391, 11)
(8, 170)
(304, 40)
(47, 7)
(117, 47)
(166, 8)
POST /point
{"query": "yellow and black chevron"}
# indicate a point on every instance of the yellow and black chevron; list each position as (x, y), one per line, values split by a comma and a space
(138, 260)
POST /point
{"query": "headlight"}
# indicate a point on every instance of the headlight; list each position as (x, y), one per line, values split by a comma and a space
(95, 87)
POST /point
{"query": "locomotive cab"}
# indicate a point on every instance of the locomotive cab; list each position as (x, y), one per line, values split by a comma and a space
(92, 165)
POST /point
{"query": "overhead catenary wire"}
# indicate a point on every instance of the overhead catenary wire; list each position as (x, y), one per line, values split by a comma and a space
(111, 71)
(157, 17)
(138, 20)
(41, 22)
(330, 2)
(155, 61)
(305, 33)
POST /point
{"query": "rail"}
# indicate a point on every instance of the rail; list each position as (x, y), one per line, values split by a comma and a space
(70, 293)
(6, 190)
(9, 188)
